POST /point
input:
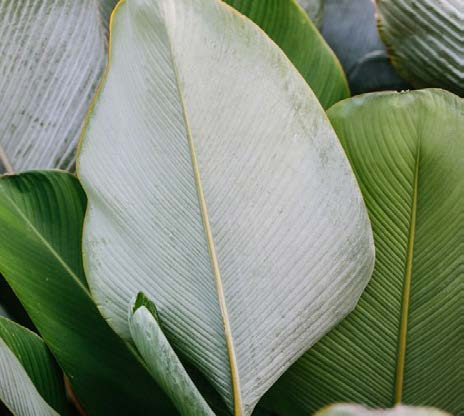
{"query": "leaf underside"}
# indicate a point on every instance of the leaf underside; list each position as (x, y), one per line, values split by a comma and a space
(217, 186)
(51, 59)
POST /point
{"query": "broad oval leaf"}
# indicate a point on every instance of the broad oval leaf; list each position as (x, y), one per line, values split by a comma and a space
(349, 27)
(51, 59)
(30, 381)
(404, 340)
(42, 214)
(287, 25)
(217, 187)
(347, 409)
(425, 39)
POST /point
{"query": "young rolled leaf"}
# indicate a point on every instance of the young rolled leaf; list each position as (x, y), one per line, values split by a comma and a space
(349, 27)
(287, 25)
(42, 215)
(425, 39)
(217, 187)
(346, 409)
(162, 361)
(51, 59)
(403, 342)
(30, 381)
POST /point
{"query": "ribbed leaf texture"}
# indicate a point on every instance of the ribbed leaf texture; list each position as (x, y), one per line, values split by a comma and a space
(288, 26)
(51, 59)
(404, 341)
(217, 186)
(30, 382)
(42, 214)
(425, 39)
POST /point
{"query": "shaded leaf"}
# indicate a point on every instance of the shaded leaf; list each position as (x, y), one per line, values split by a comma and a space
(42, 213)
(425, 39)
(30, 381)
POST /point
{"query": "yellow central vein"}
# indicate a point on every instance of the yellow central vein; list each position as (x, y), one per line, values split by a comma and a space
(407, 288)
(212, 251)
(48, 246)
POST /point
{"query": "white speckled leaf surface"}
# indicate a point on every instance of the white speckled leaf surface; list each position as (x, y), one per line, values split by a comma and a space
(217, 186)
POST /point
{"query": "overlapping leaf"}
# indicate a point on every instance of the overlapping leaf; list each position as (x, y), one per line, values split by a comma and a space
(288, 26)
(217, 187)
(403, 342)
(30, 381)
(51, 59)
(425, 39)
(42, 215)
(349, 27)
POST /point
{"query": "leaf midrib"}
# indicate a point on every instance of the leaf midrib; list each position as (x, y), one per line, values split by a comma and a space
(67, 268)
(48, 246)
(402, 340)
(211, 246)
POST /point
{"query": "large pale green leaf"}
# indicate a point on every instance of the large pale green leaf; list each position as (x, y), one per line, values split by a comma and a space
(42, 215)
(426, 40)
(51, 58)
(30, 381)
(287, 25)
(349, 27)
(345, 409)
(162, 361)
(404, 340)
(217, 187)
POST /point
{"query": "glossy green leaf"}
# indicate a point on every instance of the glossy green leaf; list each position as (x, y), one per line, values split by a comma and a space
(42, 215)
(349, 27)
(425, 39)
(288, 26)
(346, 409)
(314, 9)
(51, 59)
(162, 360)
(404, 340)
(30, 381)
(217, 186)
